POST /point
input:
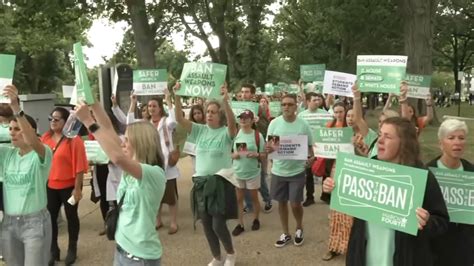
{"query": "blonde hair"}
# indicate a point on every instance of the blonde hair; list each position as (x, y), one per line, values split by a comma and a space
(390, 113)
(145, 140)
(449, 126)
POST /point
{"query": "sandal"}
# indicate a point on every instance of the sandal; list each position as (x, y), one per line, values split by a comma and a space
(330, 255)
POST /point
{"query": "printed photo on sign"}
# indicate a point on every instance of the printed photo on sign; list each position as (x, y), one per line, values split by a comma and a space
(379, 192)
(202, 80)
(338, 83)
(289, 147)
(381, 73)
(274, 142)
(458, 193)
(241, 148)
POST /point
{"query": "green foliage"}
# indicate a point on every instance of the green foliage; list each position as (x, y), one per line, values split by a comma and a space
(41, 35)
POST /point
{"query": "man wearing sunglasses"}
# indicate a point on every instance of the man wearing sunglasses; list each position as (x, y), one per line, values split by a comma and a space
(288, 176)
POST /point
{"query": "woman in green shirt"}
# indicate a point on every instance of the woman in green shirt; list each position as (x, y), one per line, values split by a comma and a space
(26, 227)
(213, 198)
(141, 188)
(373, 245)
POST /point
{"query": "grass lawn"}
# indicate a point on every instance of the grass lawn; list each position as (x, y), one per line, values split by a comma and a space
(429, 135)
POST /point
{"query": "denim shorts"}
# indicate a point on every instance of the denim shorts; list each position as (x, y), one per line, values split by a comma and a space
(26, 238)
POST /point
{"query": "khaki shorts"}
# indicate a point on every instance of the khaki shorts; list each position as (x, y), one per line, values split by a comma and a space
(253, 183)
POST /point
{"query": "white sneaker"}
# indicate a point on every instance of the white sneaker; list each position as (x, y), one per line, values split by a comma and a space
(230, 260)
(215, 262)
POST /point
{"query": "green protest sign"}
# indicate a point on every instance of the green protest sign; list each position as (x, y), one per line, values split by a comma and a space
(202, 80)
(7, 67)
(281, 86)
(379, 192)
(239, 106)
(317, 120)
(150, 81)
(458, 192)
(329, 141)
(309, 73)
(82, 90)
(94, 153)
(258, 91)
(275, 108)
(418, 86)
(315, 86)
(269, 90)
(293, 88)
(381, 73)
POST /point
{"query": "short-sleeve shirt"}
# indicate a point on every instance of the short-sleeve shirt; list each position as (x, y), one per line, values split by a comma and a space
(213, 149)
(380, 245)
(136, 232)
(248, 168)
(25, 177)
(4, 142)
(279, 127)
(69, 159)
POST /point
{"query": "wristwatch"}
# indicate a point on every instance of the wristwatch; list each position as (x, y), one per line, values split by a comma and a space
(93, 128)
(19, 114)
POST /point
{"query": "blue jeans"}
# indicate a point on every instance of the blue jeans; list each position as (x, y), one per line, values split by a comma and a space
(263, 191)
(27, 238)
(123, 258)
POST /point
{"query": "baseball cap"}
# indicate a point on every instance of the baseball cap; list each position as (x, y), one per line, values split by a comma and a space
(246, 114)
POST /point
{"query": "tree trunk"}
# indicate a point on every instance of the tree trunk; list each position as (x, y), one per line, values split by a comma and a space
(143, 35)
(418, 17)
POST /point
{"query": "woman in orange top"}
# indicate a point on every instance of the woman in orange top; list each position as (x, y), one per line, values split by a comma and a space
(65, 180)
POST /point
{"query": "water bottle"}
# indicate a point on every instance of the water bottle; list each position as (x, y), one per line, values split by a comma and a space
(72, 126)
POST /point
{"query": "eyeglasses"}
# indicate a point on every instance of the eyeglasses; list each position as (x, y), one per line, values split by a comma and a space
(52, 119)
(288, 104)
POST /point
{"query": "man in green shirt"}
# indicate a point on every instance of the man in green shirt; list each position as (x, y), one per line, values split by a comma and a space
(314, 102)
(288, 176)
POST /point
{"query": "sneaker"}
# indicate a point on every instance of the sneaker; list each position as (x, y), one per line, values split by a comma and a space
(268, 207)
(299, 237)
(284, 239)
(238, 230)
(330, 255)
(308, 202)
(230, 260)
(255, 225)
(215, 262)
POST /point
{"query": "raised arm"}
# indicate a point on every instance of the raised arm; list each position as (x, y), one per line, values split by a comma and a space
(429, 111)
(118, 113)
(231, 124)
(28, 132)
(388, 104)
(358, 113)
(108, 139)
(178, 110)
(171, 120)
(329, 101)
(403, 100)
(131, 110)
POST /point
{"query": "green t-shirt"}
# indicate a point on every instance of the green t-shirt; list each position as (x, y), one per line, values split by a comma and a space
(247, 168)
(136, 232)
(317, 111)
(279, 127)
(25, 178)
(442, 166)
(368, 140)
(213, 149)
(380, 245)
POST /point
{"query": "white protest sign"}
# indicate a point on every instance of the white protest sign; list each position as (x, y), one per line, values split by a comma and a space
(189, 148)
(289, 147)
(338, 83)
(68, 90)
(418, 86)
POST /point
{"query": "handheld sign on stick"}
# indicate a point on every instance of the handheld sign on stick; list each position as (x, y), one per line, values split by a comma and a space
(7, 67)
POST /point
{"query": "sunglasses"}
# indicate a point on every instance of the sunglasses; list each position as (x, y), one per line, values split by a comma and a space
(52, 119)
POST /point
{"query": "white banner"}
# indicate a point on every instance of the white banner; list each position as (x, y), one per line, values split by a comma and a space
(338, 83)
(289, 147)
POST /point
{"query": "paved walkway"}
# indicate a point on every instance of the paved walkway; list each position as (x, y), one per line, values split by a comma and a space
(189, 247)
